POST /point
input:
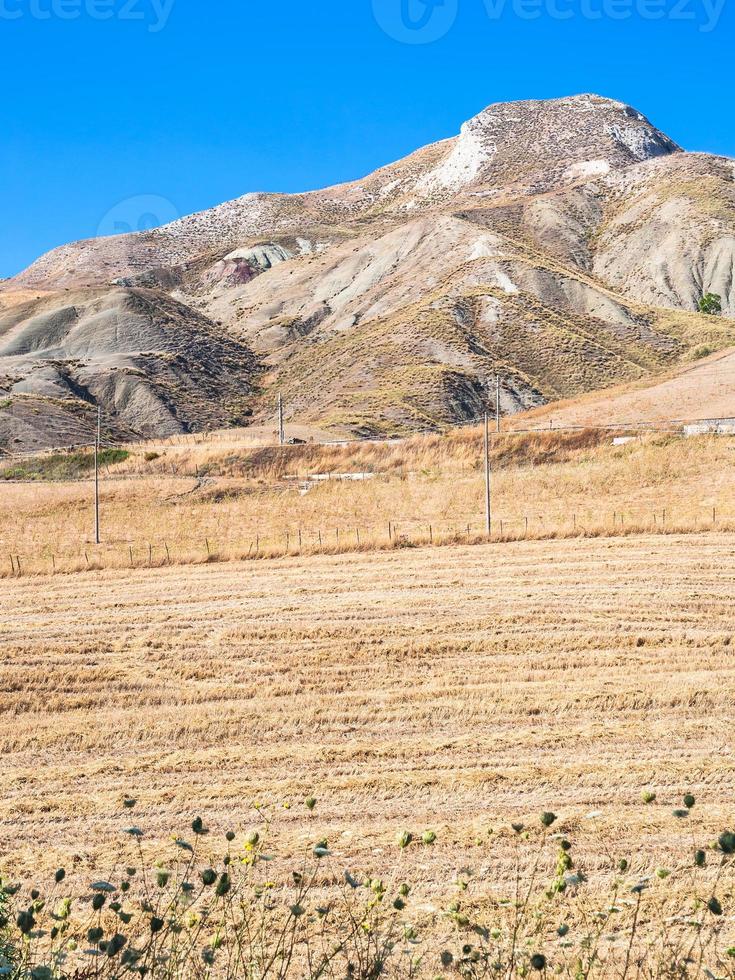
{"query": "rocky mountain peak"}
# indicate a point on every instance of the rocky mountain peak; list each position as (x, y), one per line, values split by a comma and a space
(576, 137)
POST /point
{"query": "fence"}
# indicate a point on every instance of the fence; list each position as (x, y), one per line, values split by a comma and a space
(293, 542)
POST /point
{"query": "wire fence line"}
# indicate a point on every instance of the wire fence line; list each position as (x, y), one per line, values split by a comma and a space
(295, 541)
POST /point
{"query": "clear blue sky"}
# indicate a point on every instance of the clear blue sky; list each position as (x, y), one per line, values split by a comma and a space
(231, 96)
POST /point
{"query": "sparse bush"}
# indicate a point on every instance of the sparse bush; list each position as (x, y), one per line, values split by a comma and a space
(701, 351)
(239, 909)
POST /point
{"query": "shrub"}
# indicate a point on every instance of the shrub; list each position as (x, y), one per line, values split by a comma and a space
(711, 304)
(233, 907)
(702, 350)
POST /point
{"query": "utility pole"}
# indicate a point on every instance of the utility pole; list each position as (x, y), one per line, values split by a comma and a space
(281, 433)
(488, 500)
(497, 403)
(97, 477)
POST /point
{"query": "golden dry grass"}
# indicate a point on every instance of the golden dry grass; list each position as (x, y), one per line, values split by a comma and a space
(453, 689)
(262, 501)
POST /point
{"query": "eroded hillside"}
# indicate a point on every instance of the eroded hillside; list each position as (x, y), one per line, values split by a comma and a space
(562, 244)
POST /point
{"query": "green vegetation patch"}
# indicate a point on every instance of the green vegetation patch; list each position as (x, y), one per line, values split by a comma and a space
(61, 466)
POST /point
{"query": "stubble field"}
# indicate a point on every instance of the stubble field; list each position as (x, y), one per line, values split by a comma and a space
(455, 689)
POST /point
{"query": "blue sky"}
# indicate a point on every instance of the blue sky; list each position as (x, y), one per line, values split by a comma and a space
(121, 113)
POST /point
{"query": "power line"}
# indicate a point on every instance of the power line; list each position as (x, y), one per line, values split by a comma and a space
(93, 438)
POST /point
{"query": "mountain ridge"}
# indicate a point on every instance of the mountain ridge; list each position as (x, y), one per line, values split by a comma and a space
(641, 142)
(563, 243)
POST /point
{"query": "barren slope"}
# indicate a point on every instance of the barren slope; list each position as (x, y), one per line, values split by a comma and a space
(155, 365)
(704, 390)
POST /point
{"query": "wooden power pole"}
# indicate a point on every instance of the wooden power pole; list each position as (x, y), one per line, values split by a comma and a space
(97, 477)
(488, 498)
(497, 403)
(281, 433)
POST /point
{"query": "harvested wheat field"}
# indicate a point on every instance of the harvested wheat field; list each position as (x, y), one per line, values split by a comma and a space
(454, 689)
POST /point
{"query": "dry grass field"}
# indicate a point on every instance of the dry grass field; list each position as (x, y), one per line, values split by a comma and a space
(205, 502)
(453, 689)
(456, 689)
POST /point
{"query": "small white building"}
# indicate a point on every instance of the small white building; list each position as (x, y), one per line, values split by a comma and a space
(714, 427)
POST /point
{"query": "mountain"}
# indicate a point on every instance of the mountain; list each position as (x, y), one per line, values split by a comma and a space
(563, 244)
